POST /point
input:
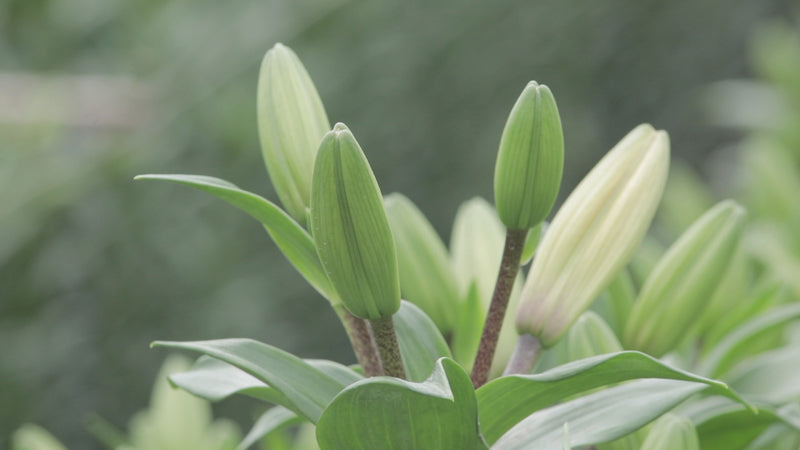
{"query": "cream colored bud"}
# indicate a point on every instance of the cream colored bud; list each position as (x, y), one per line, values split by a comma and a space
(594, 234)
(291, 123)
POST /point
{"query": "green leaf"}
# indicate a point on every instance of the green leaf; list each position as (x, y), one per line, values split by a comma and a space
(769, 377)
(467, 334)
(309, 390)
(599, 417)
(214, 380)
(531, 243)
(722, 424)
(507, 400)
(420, 342)
(383, 413)
(426, 277)
(621, 296)
(273, 419)
(291, 238)
(728, 350)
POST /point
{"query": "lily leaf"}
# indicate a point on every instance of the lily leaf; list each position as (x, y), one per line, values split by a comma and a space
(273, 419)
(727, 351)
(722, 424)
(384, 412)
(295, 243)
(599, 417)
(307, 389)
(505, 401)
(421, 344)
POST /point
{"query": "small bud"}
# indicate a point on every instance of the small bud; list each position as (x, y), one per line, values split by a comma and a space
(291, 122)
(426, 278)
(350, 228)
(678, 289)
(590, 336)
(530, 160)
(594, 234)
(671, 432)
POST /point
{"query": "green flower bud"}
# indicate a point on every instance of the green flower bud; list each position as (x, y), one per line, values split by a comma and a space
(350, 228)
(671, 432)
(530, 160)
(291, 122)
(594, 234)
(678, 289)
(591, 336)
(426, 278)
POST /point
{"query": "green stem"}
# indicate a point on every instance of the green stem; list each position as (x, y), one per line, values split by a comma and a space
(509, 268)
(525, 355)
(362, 341)
(385, 337)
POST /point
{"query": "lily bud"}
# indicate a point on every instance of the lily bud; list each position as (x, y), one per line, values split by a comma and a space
(426, 278)
(350, 228)
(594, 234)
(591, 336)
(291, 122)
(671, 431)
(530, 160)
(679, 288)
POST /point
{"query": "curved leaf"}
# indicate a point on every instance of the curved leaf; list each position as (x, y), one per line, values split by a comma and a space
(726, 352)
(273, 419)
(295, 243)
(307, 389)
(599, 417)
(420, 342)
(214, 380)
(722, 424)
(769, 377)
(383, 412)
(505, 401)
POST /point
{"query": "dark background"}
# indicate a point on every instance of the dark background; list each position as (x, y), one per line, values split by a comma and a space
(93, 267)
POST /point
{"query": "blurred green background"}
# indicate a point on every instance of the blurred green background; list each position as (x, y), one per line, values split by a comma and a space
(93, 267)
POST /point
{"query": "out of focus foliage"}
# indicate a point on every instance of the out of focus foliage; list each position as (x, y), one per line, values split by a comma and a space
(175, 419)
(93, 267)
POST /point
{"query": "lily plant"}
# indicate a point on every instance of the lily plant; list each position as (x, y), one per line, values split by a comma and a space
(598, 344)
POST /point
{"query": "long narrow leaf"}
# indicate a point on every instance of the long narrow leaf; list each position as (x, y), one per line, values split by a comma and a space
(507, 400)
(295, 243)
(599, 417)
(421, 344)
(273, 419)
(308, 389)
(726, 352)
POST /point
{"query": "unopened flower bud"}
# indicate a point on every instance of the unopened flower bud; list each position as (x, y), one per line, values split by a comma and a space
(671, 432)
(679, 288)
(426, 278)
(350, 228)
(590, 336)
(291, 123)
(594, 234)
(530, 160)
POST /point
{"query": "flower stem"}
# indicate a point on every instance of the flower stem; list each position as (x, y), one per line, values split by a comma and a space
(385, 337)
(509, 267)
(525, 355)
(362, 341)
